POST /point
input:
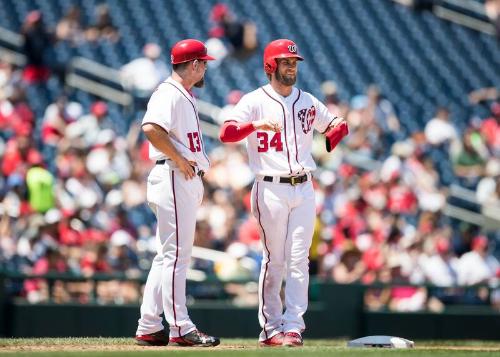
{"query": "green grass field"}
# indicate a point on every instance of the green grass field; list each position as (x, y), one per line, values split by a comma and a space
(84, 347)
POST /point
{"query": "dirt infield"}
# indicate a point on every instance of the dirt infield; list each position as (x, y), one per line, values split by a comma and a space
(131, 348)
(312, 347)
(111, 347)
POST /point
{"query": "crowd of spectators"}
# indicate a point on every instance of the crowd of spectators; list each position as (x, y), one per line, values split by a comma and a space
(39, 40)
(72, 198)
(72, 28)
(74, 203)
(80, 210)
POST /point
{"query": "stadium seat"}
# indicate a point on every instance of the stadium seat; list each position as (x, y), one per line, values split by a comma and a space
(354, 43)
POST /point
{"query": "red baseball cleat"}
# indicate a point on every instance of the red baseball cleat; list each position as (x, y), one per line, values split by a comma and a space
(195, 338)
(293, 339)
(159, 338)
(275, 341)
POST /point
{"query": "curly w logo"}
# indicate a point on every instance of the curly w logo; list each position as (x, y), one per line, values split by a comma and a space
(306, 117)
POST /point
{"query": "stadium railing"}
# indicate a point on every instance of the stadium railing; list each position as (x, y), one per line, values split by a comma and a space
(468, 13)
(199, 277)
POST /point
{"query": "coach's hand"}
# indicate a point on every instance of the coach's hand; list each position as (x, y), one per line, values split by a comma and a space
(267, 124)
(187, 168)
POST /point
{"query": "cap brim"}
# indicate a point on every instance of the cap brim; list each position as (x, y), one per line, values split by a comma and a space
(207, 58)
(286, 55)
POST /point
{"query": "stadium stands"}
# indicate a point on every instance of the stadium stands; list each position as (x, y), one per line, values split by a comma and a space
(417, 61)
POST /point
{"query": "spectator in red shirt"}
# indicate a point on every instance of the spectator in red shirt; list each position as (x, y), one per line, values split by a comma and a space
(52, 262)
(56, 119)
(94, 260)
(16, 116)
(402, 200)
(19, 153)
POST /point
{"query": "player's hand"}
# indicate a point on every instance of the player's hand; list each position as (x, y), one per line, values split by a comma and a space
(267, 124)
(187, 168)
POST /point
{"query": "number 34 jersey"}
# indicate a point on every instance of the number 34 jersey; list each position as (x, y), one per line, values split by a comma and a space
(286, 153)
(174, 109)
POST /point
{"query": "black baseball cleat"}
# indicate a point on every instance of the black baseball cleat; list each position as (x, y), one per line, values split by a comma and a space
(159, 338)
(195, 338)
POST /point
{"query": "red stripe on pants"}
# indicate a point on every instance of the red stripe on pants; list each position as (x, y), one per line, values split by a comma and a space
(268, 256)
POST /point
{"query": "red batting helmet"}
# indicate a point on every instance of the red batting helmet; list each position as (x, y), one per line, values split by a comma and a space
(281, 48)
(189, 50)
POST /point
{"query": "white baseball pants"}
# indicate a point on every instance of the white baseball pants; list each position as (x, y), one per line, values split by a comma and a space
(286, 216)
(174, 200)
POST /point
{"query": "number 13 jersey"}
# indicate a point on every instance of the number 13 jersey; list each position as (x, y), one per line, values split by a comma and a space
(287, 153)
(173, 108)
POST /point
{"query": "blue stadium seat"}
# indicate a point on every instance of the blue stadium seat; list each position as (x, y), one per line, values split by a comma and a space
(354, 43)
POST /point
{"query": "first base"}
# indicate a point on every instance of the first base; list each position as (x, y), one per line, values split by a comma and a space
(381, 342)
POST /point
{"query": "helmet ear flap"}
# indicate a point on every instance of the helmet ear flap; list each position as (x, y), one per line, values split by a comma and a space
(270, 67)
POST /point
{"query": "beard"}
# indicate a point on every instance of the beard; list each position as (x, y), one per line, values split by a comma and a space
(200, 83)
(286, 80)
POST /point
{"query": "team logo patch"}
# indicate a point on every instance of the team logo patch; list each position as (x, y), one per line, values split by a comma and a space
(307, 117)
(292, 48)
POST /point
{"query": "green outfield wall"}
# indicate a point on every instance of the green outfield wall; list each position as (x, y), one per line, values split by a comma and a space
(335, 311)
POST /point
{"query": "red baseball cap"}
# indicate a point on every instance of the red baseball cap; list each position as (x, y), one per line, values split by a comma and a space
(189, 50)
(34, 157)
(33, 16)
(219, 11)
(479, 242)
(99, 108)
(442, 245)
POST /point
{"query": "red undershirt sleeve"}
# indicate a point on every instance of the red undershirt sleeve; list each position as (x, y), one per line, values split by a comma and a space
(232, 131)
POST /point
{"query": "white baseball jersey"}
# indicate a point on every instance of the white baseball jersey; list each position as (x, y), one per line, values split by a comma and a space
(286, 153)
(285, 212)
(174, 109)
(174, 200)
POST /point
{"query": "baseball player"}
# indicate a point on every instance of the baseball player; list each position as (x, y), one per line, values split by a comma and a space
(174, 192)
(278, 121)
